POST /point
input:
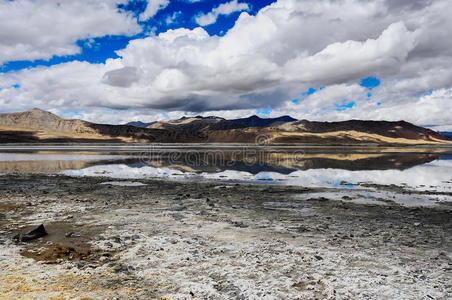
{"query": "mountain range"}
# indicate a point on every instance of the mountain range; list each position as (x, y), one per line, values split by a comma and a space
(446, 133)
(37, 125)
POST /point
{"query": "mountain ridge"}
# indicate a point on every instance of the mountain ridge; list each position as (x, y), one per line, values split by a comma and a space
(37, 125)
(139, 124)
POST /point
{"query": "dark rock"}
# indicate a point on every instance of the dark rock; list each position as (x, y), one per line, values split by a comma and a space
(240, 224)
(121, 268)
(36, 233)
(210, 202)
(240, 297)
(179, 208)
(302, 228)
(131, 268)
(345, 183)
(177, 216)
(318, 257)
(320, 199)
(80, 264)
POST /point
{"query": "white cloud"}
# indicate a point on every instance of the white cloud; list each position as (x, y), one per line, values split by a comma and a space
(223, 9)
(427, 110)
(32, 30)
(172, 18)
(152, 7)
(352, 59)
(268, 59)
(123, 77)
(110, 116)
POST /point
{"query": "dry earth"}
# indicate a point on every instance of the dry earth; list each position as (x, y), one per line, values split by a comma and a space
(192, 240)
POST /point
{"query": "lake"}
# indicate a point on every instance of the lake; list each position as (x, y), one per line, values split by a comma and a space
(424, 171)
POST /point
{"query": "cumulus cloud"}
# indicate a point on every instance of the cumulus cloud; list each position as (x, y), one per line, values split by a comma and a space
(269, 59)
(109, 116)
(223, 9)
(353, 59)
(123, 77)
(32, 30)
(152, 7)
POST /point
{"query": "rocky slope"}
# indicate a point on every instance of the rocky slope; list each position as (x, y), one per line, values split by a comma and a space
(188, 124)
(288, 130)
(40, 126)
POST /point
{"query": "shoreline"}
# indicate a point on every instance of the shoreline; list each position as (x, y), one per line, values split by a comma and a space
(226, 144)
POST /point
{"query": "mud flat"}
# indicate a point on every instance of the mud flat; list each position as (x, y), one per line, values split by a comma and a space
(198, 240)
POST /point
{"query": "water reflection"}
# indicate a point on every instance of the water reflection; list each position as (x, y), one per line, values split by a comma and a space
(422, 169)
(283, 162)
(436, 175)
(50, 162)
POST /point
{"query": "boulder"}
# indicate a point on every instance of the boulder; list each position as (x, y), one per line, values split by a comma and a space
(36, 233)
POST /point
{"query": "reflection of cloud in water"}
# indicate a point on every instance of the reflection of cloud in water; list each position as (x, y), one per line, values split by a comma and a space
(123, 171)
(437, 174)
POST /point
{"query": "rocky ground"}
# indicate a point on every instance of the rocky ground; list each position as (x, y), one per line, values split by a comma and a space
(197, 240)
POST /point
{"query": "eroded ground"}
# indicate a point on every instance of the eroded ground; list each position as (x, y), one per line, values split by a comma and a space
(192, 240)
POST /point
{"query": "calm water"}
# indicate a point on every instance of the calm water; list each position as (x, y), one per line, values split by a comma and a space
(348, 168)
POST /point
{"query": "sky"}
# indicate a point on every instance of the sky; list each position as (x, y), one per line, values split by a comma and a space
(115, 61)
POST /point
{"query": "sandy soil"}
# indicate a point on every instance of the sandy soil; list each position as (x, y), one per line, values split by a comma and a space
(197, 240)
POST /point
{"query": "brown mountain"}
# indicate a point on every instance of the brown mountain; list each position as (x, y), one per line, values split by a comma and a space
(288, 130)
(37, 125)
(40, 126)
(187, 124)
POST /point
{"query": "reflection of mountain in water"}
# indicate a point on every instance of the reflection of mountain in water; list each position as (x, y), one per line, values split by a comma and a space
(51, 166)
(287, 163)
(219, 161)
(41, 166)
(384, 162)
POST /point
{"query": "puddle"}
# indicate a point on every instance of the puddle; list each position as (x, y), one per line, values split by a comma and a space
(373, 196)
(285, 205)
(123, 183)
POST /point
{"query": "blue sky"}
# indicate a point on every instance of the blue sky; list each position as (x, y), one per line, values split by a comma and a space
(98, 50)
(114, 61)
